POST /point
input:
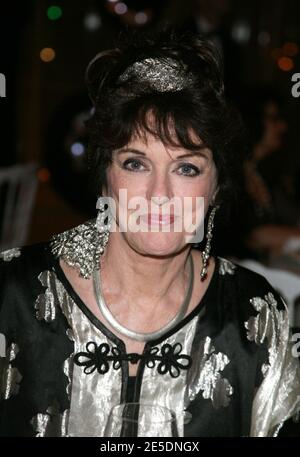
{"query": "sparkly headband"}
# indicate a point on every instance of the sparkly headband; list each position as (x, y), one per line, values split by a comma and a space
(162, 74)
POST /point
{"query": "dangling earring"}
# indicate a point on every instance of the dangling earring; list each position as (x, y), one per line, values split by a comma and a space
(206, 252)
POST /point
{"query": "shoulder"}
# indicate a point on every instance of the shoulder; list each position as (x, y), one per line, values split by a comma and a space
(21, 283)
(19, 265)
(231, 270)
(23, 255)
(250, 287)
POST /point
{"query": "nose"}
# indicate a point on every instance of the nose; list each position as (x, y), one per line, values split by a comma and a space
(159, 190)
(160, 200)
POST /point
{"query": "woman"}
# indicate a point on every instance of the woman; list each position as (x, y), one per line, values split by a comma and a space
(165, 324)
(269, 218)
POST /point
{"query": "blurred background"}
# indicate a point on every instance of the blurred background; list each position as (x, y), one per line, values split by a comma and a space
(45, 48)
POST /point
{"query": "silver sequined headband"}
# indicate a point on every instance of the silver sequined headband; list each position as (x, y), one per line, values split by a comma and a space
(162, 74)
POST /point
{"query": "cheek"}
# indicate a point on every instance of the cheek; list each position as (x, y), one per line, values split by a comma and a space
(124, 187)
(199, 197)
(134, 183)
(116, 180)
(204, 187)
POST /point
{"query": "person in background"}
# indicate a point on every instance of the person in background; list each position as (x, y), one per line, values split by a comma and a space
(269, 219)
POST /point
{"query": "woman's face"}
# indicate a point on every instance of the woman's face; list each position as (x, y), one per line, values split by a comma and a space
(154, 174)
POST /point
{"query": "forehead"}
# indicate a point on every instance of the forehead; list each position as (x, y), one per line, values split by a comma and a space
(153, 146)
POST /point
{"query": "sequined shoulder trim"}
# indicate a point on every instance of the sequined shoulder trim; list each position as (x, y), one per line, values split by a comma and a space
(80, 247)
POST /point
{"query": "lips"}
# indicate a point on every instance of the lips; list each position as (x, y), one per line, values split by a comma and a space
(161, 219)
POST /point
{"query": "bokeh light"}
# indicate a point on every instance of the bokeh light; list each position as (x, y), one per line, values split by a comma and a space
(54, 12)
(121, 8)
(77, 149)
(43, 175)
(141, 18)
(285, 63)
(47, 54)
(290, 49)
(241, 32)
(92, 21)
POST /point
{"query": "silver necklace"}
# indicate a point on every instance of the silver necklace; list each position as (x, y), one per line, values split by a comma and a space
(135, 335)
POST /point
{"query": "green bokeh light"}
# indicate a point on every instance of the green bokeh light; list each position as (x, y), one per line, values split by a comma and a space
(54, 12)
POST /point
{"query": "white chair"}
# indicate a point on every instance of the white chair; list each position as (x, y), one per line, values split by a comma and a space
(285, 282)
(18, 185)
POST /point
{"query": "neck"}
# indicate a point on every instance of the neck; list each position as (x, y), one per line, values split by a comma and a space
(137, 275)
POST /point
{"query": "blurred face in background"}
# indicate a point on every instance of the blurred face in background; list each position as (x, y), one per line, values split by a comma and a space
(274, 127)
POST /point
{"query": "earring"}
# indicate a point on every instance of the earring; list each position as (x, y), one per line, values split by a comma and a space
(206, 252)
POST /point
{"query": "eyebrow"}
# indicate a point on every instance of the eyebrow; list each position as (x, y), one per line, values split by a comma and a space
(189, 154)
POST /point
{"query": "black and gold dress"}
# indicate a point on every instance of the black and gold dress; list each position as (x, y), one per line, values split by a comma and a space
(227, 369)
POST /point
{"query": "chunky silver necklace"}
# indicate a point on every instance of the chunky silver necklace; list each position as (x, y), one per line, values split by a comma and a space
(142, 336)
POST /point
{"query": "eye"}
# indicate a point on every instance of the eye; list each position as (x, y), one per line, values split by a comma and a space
(189, 170)
(132, 164)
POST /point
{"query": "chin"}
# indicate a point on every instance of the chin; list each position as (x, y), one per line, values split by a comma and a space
(158, 243)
